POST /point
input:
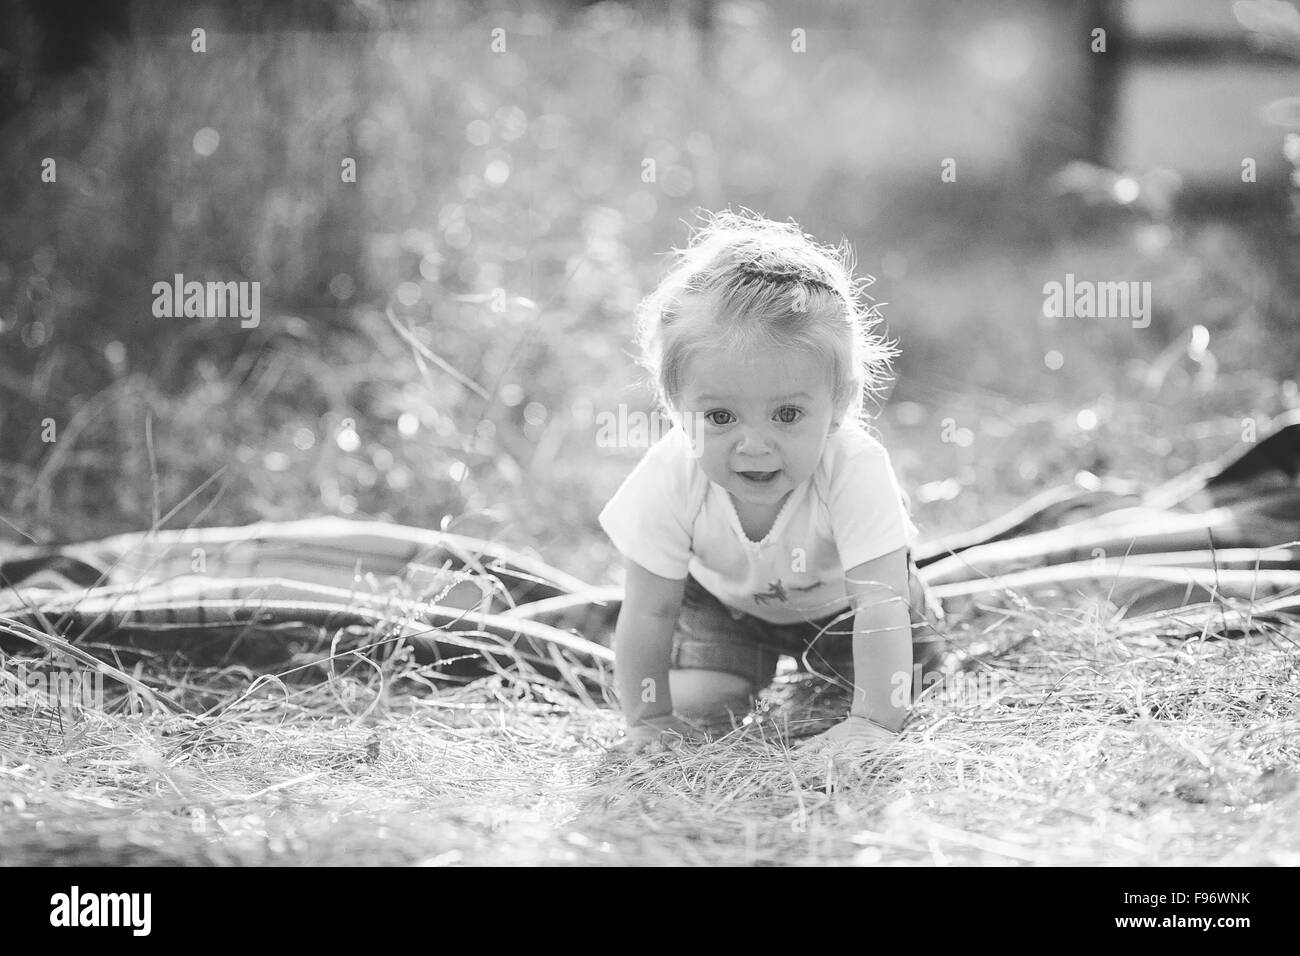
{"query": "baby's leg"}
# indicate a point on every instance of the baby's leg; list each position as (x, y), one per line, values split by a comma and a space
(718, 664)
(715, 700)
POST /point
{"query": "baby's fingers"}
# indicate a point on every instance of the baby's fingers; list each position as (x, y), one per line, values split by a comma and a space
(629, 745)
(642, 742)
(812, 744)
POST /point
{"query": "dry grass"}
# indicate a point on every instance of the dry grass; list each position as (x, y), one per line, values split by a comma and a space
(1095, 748)
(1077, 747)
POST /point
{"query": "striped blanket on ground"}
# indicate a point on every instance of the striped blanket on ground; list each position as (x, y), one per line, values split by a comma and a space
(1219, 546)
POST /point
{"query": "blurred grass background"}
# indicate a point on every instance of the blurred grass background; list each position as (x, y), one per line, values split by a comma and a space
(521, 171)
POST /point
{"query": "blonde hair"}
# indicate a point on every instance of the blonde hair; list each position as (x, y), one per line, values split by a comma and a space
(742, 281)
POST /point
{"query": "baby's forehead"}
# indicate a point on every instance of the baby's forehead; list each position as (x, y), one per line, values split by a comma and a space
(768, 377)
(709, 396)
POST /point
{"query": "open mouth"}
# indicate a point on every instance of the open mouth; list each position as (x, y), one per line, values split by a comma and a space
(759, 477)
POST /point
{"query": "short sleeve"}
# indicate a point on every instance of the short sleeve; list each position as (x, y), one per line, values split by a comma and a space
(647, 519)
(867, 509)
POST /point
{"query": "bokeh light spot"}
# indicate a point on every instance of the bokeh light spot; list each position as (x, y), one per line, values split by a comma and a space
(206, 141)
(348, 439)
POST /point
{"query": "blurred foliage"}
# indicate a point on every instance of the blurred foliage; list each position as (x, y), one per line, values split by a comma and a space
(500, 226)
(1275, 24)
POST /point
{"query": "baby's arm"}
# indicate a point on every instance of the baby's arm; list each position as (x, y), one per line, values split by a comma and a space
(882, 650)
(882, 638)
(643, 642)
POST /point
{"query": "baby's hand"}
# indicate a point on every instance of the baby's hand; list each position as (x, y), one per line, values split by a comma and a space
(855, 736)
(657, 735)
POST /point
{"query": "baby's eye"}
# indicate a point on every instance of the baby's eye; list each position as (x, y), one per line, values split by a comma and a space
(788, 414)
(713, 417)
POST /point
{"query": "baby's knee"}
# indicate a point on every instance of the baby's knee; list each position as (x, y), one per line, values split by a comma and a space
(710, 695)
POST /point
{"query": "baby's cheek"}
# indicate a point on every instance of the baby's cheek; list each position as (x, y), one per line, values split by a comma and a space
(807, 455)
(713, 461)
(701, 448)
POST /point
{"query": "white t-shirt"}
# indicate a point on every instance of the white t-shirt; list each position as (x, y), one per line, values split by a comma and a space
(671, 519)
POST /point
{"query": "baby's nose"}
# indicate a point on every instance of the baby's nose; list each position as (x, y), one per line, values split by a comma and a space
(753, 441)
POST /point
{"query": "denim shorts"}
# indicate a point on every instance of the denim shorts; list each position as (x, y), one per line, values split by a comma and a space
(711, 635)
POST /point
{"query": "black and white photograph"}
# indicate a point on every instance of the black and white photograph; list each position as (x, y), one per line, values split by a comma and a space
(650, 433)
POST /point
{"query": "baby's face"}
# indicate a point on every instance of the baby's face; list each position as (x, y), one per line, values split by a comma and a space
(758, 420)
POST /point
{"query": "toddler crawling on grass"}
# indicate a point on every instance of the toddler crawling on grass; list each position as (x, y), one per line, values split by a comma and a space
(768, 521)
